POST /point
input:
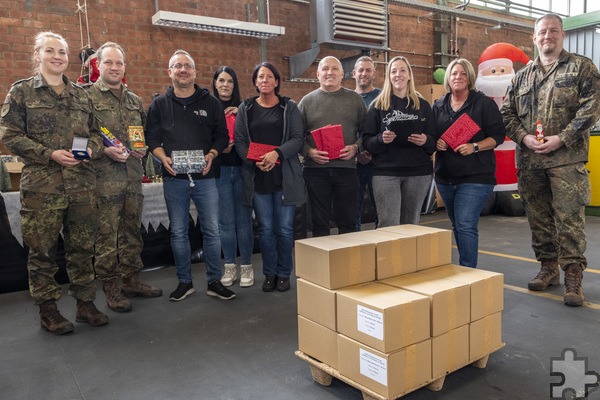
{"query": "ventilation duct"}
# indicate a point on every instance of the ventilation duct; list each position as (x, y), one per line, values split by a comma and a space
(350, 23)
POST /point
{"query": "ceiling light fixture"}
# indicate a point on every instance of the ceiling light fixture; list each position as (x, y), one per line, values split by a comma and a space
(220, 25)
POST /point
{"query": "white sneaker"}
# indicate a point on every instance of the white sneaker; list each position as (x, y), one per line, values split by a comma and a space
(247, 276)
(230, 275)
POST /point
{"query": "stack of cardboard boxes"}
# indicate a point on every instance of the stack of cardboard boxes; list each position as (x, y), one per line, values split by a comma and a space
(388, 310)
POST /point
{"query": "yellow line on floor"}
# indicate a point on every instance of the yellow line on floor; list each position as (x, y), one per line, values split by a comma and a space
(550, 296)
(532, 260)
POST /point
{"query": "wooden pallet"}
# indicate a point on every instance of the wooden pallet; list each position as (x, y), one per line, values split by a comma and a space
(323, 374)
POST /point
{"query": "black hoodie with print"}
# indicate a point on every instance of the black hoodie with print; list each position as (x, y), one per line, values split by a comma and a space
(194, 123)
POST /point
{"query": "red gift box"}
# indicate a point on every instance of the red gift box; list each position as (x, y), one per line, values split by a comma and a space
(329, 138)
(230, 120)
(461, 131)
(257, 150)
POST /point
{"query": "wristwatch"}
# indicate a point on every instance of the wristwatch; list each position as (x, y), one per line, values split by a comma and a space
(475, 147)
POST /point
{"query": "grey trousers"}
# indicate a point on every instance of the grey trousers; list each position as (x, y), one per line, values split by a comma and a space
(399, 199)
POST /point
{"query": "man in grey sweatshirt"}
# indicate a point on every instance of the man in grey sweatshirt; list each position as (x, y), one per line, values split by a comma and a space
(332, 184)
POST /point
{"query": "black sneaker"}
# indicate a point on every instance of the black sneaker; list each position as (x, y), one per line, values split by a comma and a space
(283, 284)
(269, 283)
(183, 290)
(217, 289)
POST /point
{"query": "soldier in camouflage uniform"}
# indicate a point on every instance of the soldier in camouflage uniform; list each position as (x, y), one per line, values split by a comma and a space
(119, 182)
(562, 91)
(40, 117)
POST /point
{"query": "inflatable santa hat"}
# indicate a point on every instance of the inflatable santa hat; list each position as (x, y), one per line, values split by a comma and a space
(501, 54)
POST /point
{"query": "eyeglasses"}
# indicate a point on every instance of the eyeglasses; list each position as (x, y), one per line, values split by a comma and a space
(180, 66)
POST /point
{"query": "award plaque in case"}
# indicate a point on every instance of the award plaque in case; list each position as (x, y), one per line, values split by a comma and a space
(79, 148)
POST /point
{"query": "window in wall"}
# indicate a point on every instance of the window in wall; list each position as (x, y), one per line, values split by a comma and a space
(535, 8)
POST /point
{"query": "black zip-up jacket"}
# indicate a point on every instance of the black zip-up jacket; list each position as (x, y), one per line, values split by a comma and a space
(453, 168)
(293, 191)
(199, 125)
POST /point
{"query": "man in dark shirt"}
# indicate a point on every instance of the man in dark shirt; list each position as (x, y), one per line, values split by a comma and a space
(364, 75)
(190, 121)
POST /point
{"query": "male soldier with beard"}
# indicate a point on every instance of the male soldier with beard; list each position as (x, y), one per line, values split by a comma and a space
(562, 91)
(119, 185)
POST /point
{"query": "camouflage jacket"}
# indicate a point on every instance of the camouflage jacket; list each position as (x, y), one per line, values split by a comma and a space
(117, 115)
(566, 99)
(35, 122)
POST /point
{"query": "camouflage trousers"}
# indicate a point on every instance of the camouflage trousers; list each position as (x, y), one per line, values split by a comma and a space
(119, 242)
(42, 216)
(555, 200)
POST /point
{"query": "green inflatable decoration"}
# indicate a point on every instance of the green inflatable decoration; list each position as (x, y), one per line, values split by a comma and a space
(438, 75)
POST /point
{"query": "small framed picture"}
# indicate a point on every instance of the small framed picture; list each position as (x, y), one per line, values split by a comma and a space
(137, 140)
(79, 148)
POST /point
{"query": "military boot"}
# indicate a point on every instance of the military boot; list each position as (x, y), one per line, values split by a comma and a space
(549, 275)
(573, 289)
(88, 313)
(51, 319)
(114, 298)
(132, 286)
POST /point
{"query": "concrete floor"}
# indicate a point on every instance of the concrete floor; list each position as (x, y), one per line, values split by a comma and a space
(205, 348)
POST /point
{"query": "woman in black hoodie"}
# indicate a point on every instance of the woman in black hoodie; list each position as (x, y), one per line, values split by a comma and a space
(465, 176)
(399, 135)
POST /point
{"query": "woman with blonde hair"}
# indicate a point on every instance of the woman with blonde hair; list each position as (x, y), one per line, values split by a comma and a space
(47, 121)
(399, 135)
(465, 176)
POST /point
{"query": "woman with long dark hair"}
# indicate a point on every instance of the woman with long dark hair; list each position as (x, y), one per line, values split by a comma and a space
(235, 218)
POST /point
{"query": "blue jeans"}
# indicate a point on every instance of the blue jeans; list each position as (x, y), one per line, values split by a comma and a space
(235, 219)
(205, 196)
(275, 233)
(329, 187)
(464, 203)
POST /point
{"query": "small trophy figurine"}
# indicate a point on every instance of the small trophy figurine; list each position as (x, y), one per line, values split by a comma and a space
(539, 131)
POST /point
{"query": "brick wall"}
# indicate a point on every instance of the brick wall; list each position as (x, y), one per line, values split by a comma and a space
(148, 47)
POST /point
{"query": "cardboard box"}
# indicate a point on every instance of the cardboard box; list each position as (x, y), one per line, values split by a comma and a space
(485, 336)
(431, 92)
(334, 263)
(14, 170)
(318, 342)
(395, 254)
(388, 374)
(383, 317)
(316, 303)
(450, 300)
(487, 288)
(434, 246)
(450, 351)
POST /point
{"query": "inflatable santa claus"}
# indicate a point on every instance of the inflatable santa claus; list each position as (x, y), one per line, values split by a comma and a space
(495, 69)
(494, 75)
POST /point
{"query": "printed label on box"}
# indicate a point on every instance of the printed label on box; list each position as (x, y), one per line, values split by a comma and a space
(369, 322)
(374, 367)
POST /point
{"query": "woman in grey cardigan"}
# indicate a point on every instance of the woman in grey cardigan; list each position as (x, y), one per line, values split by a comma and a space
(273, 182)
